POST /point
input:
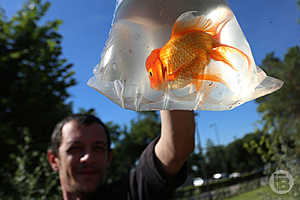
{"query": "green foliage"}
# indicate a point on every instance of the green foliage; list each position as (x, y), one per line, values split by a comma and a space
(283, 104)
(281, 114)
(279, 144)
(260, 145)
(239, 159)
(128, 145)
(33, 77)
(197, 165)
(215, 159)
(33, 178)
(90, 111)
(281, 111)
(234, 157)
(220, 189)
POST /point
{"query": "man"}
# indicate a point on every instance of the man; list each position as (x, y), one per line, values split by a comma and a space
(80, 153)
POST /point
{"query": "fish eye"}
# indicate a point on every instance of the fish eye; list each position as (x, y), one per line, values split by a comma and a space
(150, 72)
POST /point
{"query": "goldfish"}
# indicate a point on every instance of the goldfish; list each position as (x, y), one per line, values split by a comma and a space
(183, 59)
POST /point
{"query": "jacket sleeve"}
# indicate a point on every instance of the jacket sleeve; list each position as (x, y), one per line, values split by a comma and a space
(148, 180)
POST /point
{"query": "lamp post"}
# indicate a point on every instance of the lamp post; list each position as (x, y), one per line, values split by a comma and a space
(216, 131)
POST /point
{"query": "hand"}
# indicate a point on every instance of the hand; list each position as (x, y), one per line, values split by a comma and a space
(177, 139)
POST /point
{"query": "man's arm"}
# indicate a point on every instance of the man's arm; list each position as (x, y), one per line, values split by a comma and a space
(177, 139)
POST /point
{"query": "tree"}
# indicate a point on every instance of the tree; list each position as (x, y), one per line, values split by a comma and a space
(239, 159)
(34, 79)
(128, 145)
(90, 111)
(40, 182)
(281, 110)
(237, 156)
(214, 158)
(196, 163)
(281, 116)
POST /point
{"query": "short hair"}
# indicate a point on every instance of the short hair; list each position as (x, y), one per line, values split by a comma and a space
(82, 120)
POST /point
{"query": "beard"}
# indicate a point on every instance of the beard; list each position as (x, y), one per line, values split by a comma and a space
(87, 184)
(84, 191)
(84, 186)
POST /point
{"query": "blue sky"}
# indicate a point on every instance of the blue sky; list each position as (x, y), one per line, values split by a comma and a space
(269, 25)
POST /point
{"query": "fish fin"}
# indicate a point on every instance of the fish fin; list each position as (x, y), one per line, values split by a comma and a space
(217, 28)
(219, 56)
(189, 21)
(210, 77)
(223, 48)
(173, 76)
(198, 84)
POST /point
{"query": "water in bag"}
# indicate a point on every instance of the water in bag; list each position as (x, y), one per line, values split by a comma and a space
(178, 55)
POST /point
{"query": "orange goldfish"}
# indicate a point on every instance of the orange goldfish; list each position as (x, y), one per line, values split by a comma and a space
(183, 59)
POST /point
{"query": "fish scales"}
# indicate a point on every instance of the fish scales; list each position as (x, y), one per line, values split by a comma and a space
(187, 54)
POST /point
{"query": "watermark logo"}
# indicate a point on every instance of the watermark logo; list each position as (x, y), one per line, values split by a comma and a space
(281, 182)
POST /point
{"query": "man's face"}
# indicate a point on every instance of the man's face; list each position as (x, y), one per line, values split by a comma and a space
(82, 157)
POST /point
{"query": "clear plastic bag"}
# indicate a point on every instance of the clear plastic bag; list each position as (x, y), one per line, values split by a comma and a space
(204, 61)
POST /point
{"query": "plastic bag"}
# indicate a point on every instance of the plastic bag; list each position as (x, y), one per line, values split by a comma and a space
(202, 59)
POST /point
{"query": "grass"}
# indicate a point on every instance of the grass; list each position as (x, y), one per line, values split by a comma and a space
(263, 193)
(255, 194)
